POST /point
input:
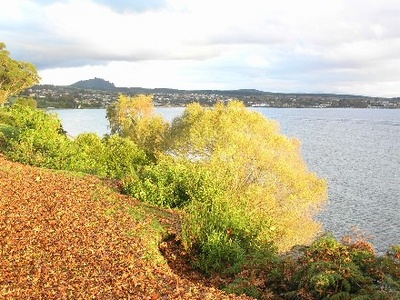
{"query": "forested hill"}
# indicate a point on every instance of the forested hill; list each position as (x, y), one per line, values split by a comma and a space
(95, 84)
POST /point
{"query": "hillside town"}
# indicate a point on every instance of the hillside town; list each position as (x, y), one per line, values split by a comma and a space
(98, 97)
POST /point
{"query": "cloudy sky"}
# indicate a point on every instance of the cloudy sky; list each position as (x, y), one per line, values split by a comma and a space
(332, 46)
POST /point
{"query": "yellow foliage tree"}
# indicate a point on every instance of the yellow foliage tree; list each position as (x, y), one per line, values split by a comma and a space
(266, 181)
(134, 118)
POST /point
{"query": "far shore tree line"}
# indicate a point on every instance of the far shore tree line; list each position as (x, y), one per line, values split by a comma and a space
(246, 197)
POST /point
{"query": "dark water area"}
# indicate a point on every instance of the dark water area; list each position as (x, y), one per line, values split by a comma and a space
(356, 150)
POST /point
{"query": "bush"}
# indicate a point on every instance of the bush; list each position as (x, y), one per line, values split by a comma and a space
(25, 101)
(112, 156)
(256, 193)
(3, 140)
(222, 231)
(34, 137)
(134, 118)
(87, 155)
(122, 157)
(25, 117)
(335, 270)
(38, 139)
(169, 183)
(39, 148)
(219, 237)
(243, 186)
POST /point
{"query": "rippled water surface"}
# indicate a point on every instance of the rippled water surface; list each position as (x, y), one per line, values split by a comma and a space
(356, 150)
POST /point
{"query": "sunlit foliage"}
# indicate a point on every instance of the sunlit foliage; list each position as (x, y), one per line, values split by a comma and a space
(262, 171)
(15, 76)
(243, 185)
(38, 138)
(134, 118)
(123, 158)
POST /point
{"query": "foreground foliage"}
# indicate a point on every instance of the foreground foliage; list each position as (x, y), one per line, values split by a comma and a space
(64, 236)
(243, 193)
(327, 269)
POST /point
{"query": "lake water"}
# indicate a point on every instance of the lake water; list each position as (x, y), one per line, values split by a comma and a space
(356, 150)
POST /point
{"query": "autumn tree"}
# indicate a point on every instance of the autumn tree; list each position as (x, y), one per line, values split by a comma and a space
(262, 192)
(134, 118)
(243, 185)
(15, 76)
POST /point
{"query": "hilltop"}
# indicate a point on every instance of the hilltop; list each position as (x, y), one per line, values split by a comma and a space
(94, 84)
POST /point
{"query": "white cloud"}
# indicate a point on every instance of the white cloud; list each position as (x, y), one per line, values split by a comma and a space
(287, 45)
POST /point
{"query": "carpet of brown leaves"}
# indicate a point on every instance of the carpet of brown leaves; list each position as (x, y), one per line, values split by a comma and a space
(65, 236)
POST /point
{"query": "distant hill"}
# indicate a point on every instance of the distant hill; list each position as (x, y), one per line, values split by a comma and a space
(95, 84)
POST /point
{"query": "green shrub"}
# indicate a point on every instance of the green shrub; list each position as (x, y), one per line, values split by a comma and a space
(220, 229)
(87, 155)
(221, 253)
(168, 183)
(35, 137)
(134, 118)
(26, 101)
(39, 148)
(25, 117)
(38, 138)
(329, 269)
(8, 131)
(122, 157)
(217, 231)
(243, 286)
(3, 141)
(6, 117)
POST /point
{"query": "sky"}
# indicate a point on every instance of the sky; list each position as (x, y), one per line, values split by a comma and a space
(302, 46)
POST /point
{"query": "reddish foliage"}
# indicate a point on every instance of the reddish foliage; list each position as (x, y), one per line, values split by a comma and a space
(57, 241)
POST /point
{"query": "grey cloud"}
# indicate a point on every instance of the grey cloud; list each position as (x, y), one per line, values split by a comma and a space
(60, 57)
(56, 52)
(62, 54)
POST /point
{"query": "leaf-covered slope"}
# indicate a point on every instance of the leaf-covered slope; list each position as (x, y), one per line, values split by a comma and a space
(68, 237)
